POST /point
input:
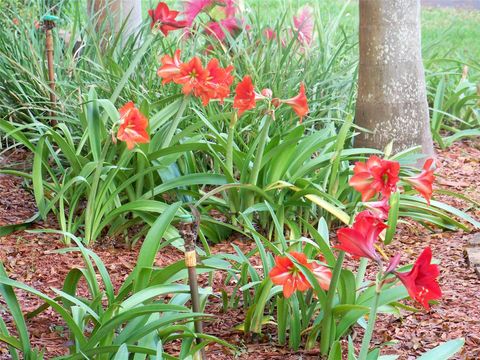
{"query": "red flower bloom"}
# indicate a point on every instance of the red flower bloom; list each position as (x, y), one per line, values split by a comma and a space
(285, 273)
(191, 75)
(170, 67)
(245, 96)
(375, 176)
(421, 281)
(165, 17)
(299, 103)
(424, 181)
(359, 240)
(133, 126)
(217, 84)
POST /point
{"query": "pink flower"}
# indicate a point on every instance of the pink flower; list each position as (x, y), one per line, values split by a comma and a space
(304, 25)
(270, 34)
(195, 7)
(381, 207)
(323, 275)
(217, 29)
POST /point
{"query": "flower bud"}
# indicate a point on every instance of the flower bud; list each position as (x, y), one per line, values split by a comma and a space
(267, 93)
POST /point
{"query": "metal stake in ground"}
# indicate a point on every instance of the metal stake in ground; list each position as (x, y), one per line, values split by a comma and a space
(48, 25)
(189, 233)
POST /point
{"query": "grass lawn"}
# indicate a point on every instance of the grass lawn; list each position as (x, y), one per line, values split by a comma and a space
(446, 32)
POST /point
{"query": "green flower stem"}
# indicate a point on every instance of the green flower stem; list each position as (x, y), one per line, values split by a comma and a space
(229, 154)
(362, 268)
(371, 325)
(89, 211)
(258, 160)
(232, 194)
(326, 335)
(175, 122)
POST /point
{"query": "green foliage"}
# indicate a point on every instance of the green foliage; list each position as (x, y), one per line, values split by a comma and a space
(282, 184)
(147, 312)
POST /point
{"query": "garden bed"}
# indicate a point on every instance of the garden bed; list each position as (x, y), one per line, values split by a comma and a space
(31, 258)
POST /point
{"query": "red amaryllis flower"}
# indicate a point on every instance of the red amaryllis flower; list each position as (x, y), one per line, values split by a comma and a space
(217, 84)
(421, 281)
(298, 103)
(423, 182)
(375, 176)
(323, 275)
(170, 67)
(245, 96)
(165, 18)
(191, 75)
(133, 126)
(285, 273)
(303, 25)
(359, 240)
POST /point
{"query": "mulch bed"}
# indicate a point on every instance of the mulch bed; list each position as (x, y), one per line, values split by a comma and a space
(31, 258)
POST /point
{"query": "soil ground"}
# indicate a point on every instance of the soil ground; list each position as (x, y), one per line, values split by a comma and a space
(31, 258)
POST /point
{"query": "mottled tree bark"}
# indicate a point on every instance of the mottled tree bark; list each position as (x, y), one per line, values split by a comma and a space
(111, 14)
(392, 100)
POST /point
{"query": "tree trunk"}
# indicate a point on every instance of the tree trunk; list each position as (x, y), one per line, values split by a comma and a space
(115, 12)
(392, 101)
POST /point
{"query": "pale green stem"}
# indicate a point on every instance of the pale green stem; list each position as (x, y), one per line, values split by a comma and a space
(370, 327)
(326, 335)
(258, 160)
(233, 198)
(175, 122)
(362, 268)
(229, 154)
